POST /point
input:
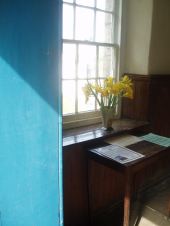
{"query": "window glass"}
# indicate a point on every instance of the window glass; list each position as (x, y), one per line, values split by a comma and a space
(104, 27)
(85, 2)
(82, 105)
(90, 51)
(70, 1)
(68, 21)
(69, 58)
(84, 24)
(107, 61)
(105, 4)
(87, 61)
(68, 88)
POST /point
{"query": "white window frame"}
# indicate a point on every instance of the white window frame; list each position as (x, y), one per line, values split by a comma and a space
(92, 117)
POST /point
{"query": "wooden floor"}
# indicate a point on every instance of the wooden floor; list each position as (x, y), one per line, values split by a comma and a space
(152, 208)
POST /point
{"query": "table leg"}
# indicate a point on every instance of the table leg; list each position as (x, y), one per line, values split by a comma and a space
(127, 198)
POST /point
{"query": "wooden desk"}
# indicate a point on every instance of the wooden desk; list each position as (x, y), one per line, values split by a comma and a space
(76, 142)
(152, 154)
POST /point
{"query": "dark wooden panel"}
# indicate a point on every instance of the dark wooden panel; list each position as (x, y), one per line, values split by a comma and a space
(150, 175)
(151, 102)
(137, 108)
(75, 186)
(105, 186)
(75, 171)
(160, 104)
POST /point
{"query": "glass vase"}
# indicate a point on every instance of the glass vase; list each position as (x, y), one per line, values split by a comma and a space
(107, 118)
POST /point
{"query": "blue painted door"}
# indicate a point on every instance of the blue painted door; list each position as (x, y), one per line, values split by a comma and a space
(30, 113)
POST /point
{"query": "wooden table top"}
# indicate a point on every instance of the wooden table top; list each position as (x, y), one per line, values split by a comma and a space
(151, 152)
(93, 132)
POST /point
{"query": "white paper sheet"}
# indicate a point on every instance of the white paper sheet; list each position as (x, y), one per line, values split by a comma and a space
(123, 140)
(118, 153)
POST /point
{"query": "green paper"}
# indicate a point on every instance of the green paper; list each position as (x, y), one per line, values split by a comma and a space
(157, 139)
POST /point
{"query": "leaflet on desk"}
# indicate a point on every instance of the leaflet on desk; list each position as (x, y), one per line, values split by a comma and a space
(157, 139)
(127, 139)
(123, 140)
(118, 153)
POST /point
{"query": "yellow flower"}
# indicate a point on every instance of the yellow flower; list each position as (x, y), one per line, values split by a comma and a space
(107, 94)
(116, 88)
(126, 80)
(108, 81)
(97, 88)
(87, 91)
(104, 92)
(128, 93)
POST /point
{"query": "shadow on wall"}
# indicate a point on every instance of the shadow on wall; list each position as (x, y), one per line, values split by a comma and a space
(25, 44)
(30, 137)
(159, 60)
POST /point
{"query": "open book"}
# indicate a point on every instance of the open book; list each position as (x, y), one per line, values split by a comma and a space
(118, 153)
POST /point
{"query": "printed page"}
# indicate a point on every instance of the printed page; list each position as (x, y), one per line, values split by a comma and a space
(123, 140)
(118, 153)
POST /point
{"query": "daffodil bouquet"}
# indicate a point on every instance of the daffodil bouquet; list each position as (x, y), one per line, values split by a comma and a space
(108, 94)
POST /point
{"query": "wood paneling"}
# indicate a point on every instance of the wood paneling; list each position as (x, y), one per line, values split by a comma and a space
(138, 107)
(151, 102)
(105, 185)
(75, 186)
(102, 189)
(159, 113)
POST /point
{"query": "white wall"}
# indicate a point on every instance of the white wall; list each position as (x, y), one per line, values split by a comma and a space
(138, 35)
(159, 60)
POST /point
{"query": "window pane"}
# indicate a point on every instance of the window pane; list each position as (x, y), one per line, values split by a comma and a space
(70, 1)
(67, 21)
(82, 105)
(85, 2)
(84, 24)
(69, 58)
(101, 83)
(105, 4)
(104, 27)
(68, 97)
(87, 26)
(87, 61)
(107, 61)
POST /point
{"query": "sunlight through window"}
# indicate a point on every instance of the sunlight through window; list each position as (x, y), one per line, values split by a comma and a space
(90, 28)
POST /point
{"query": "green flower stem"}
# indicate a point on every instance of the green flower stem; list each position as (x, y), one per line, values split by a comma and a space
(114, 101)
(102, 102)
(110, 100)
(95, 95)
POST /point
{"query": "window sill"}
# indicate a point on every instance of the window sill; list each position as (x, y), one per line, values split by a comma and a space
(93, 132)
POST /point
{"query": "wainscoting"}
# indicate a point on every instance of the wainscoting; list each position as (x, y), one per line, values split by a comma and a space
(151, 102)
(93, 192)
